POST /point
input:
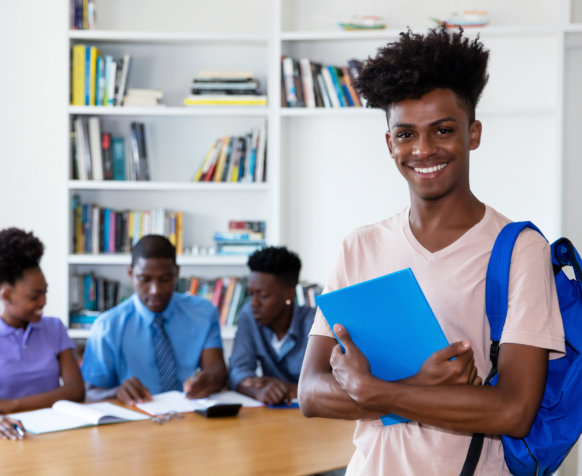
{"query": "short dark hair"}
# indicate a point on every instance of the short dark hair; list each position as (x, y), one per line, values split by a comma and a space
(416, 64)
(19, 251)
(153, 246)
(277, 260)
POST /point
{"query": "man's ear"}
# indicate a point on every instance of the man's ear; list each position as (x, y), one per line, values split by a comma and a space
(475, 134)
(5, 292)
(389, 141)
(130, 272)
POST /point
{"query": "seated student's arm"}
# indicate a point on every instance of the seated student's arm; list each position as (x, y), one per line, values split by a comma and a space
(507, 408)
(71, 389)
(210, 378)
(321, 395)
(268, 390)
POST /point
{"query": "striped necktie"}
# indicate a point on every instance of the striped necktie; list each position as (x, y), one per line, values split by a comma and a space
(165, 357)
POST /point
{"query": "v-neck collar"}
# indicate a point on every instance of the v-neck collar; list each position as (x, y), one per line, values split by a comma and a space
(430, 255)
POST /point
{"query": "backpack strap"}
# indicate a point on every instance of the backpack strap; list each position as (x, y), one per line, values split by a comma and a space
(496, 299)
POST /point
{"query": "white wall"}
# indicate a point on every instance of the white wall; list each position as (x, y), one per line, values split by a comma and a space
(33, 130)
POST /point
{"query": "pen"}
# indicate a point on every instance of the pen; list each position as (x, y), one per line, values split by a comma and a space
(18, 430)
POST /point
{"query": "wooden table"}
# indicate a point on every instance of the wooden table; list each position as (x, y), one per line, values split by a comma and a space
(259, 441)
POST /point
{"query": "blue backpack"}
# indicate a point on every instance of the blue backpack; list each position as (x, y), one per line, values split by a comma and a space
(558, 423)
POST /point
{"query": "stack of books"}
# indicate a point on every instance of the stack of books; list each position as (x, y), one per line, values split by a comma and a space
(306, 83)
(91, 295)
(104, 230)
(97, 79)
(97, 155)
(228, 294)
(225, 88)
(143, 97)
(235, 159)
(243, 237)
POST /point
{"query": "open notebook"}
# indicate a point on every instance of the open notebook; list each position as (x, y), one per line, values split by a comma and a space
(177, 402)
(65, 415)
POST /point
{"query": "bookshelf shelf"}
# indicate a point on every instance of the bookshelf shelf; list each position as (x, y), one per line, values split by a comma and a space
(227, 333)
(183, 260)
(169, 111)
(131, 186)
(115, 36)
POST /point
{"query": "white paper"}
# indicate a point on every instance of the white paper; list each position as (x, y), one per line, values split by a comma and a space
(65, 415)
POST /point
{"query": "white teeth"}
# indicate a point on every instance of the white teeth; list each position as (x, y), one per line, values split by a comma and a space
(429, 170)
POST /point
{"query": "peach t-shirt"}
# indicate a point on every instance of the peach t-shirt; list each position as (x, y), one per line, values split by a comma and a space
(453, 280)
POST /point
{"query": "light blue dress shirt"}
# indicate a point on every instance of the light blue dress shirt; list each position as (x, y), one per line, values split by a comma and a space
(120, 344)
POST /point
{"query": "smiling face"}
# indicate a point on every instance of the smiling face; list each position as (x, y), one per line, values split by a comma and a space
(154, 281)
(430, 139)
(24, 301)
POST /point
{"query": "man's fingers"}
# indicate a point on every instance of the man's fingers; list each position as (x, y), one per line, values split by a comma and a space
(343, 336)
(453, 350)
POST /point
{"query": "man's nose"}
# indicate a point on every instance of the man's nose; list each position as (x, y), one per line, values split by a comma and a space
(424, 147)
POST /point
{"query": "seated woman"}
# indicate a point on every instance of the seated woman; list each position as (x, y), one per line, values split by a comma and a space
(35, 351)
(272, 329)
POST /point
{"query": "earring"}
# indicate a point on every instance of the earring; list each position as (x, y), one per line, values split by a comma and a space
(288, 302)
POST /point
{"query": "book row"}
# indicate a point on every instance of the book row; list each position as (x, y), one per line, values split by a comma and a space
(227, 88)
(82, 14)
(97, 79)
(236, 159)
(97, 155)
(104, 230)
(306, 83)
(91, 295)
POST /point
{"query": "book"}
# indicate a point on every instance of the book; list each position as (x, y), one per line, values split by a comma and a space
(118, 153)
(307, 82)
(290, 91)
(123, 74)
(83, 154)
(175, 401)
(139, 151)
(66, 415)
(396, 314)
(226, 100)
(107, 155)
(95, 148)
(78, 75)
(261, 153)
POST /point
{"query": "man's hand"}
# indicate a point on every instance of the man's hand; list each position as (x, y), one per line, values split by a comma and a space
(8, 429)
(268, 390)
(438, 369)
(132, 391)
(199, 385)
(350, 369)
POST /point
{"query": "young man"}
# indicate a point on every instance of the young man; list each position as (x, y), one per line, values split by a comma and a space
(429, 86)
(157, 340)
(272, 330)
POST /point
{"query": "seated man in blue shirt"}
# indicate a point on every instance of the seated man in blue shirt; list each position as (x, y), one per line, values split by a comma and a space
(272, 329)
(156, 340)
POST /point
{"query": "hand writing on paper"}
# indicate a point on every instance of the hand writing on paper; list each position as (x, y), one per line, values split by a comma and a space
(11, 429)
(268, 390)
(439, 369)
(199, 385)
(132, 391)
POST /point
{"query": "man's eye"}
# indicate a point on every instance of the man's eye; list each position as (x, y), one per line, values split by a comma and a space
(403, 135)
(444, 130)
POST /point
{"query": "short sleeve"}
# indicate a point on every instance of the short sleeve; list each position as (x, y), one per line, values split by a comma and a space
(213, 338)
(62, 338)
(99, 359)
(533, 315)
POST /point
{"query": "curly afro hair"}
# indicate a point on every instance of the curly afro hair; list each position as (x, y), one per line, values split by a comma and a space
(19, 251)
(278, 261)
(417, 64)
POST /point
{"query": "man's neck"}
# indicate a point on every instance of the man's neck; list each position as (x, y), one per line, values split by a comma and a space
(280, 326)
(439, 223)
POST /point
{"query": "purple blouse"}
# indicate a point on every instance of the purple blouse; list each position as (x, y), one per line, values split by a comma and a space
(29, 358)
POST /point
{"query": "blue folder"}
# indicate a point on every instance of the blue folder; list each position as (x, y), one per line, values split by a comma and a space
(390, 321)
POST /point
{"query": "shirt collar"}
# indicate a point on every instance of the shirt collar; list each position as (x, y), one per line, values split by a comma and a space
(148, 315)
(6, 330)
